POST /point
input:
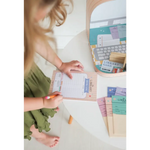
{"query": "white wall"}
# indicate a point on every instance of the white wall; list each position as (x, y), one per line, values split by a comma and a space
(109, 10)
(75, 23)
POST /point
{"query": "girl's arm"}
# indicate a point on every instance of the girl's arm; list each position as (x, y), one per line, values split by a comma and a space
(33, 103)
(48, 54)
(51, 56)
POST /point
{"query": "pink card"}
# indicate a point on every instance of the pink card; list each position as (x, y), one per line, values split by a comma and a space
(102, 106)
(108, 101)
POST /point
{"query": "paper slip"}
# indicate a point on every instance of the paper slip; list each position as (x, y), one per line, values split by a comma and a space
(108, 102)
(122, 31)
(111, 91)
(114, 32)
(102, 106)
(120, 105)
(122, 91)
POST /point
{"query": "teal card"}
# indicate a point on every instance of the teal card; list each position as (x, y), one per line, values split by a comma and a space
(120, 105)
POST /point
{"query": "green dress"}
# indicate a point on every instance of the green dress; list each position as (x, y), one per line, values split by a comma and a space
(36, 84)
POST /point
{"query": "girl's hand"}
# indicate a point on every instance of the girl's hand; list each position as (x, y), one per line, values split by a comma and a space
(53, 102)
(71, 66)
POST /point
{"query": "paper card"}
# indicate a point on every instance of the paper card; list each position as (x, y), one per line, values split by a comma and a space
(123, 31)
(114, 32)
(108, 102)
(106, 40)
(114, 125)
(111, 91)
(102, 106)
(109, 115)
(119, 105)
(109, 65)
(119, 125)
(120, 91)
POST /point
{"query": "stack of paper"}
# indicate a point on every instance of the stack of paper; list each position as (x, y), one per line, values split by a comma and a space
(113, 109)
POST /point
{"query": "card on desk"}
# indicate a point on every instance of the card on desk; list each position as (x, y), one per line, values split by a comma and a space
(83, 85)
(111, 91)
(120, 91)
(102, 106)
(109, 115)
(116, 91)
(119, 114)
(116, 124)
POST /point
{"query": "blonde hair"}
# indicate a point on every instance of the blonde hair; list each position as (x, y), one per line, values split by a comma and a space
(32, 29)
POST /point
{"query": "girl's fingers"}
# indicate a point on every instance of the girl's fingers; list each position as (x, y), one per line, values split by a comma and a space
(77, 69)
(78, 64)
(58, 93)
(59, 98)
(69, 75)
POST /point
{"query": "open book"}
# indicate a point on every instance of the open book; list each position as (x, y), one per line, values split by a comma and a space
(83, 85)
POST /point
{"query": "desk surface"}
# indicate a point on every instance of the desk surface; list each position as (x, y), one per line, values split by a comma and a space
(88, 114)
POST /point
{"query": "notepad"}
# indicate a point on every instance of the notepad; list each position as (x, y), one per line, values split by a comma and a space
(81, 86)
(106, 40)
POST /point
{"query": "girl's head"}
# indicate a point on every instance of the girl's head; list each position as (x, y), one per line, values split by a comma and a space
(34, 11)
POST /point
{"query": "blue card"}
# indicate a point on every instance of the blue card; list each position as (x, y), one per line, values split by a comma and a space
(111, 91)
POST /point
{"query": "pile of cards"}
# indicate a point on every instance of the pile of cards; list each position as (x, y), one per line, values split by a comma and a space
(113, 110)
(110, 66)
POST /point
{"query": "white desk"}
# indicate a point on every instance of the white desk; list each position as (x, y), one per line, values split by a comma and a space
(88, 114)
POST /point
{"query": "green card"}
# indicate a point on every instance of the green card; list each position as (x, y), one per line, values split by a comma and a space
(119, 105)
